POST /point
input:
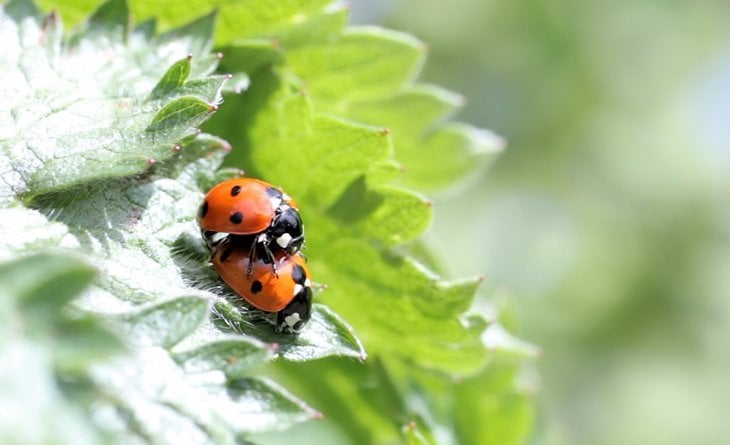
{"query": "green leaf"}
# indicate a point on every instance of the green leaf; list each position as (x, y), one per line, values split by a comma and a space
(20, 9)
(253, 413)
(43, 343)
(334, 116)
(174, 78)
(167, 323)
(504, 401)
(326, 333)
(388, 214)
(112, 15)
(365, 63)
(400, 295)
(367, 75)
(251, 55)
(204, 407)
(71, 117)
(317, 155)
(197, 35)
(184, 114)
(235, 356)
(243, 19)
(154, 285)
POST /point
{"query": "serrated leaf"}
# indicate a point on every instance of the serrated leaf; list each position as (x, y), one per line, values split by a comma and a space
(398, 294)
(326, 334)
(324, 160)
(174, 78)
(389, 214)
(328, 153)
(139, 231)
(72, 116)
(243, 19)
(277, 410)
(142, 234)
(365, 63)
(185, 112)
(236, 357)
(167, 323)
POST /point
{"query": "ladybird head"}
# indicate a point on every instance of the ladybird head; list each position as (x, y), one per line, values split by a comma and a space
(287, 230)
(295, 315)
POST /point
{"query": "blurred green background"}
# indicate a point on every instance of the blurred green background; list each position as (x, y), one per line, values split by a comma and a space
(606, 219)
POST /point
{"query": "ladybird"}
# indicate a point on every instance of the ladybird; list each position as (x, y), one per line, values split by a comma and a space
(248, 206)
(288, 292)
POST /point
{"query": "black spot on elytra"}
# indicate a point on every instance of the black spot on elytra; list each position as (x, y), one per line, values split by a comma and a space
(226, 253)
(298, 274)
(236, 218)
(203, 210)
(235, 190)
(256, 287)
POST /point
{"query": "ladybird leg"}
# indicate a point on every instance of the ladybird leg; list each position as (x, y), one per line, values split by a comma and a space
(270, 258)
(296, 244)
(251, 259)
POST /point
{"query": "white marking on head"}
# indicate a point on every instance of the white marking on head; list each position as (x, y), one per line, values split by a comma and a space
(275, 201)
(298, 288)
(262, 238)
(292, 319)
(286, 198)
(284, 240)
(308, 282)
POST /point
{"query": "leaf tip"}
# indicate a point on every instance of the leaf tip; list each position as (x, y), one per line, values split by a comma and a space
(176, 148)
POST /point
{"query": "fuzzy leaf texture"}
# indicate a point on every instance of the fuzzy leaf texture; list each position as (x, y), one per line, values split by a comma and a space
(336, 116)
(102, 162)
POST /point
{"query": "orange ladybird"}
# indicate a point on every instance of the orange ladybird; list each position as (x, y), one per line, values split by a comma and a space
(286, 290)
(248, 206)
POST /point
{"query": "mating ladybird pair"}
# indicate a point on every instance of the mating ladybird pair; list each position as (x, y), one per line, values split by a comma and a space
(255, 234)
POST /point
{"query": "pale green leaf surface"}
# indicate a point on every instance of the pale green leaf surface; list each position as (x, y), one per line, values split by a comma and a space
(167, 323)
(154, 285)
(141, 228)
(38, 337)
(235, 356)
(73, 111)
